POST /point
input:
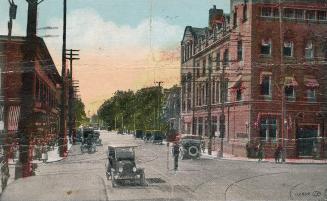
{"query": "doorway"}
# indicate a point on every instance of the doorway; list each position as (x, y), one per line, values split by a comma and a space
(307, 139)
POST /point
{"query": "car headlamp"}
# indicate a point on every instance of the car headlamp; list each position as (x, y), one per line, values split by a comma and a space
(134, 169)
(120, 169)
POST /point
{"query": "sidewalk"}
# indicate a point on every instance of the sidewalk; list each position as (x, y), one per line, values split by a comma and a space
(270, 160)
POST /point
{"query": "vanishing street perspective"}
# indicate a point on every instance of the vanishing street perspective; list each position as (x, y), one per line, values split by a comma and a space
(152, 100)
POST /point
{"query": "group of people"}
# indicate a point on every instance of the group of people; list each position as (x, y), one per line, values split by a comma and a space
(279, 154)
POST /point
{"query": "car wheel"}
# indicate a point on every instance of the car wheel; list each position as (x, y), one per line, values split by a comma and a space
(193, 151)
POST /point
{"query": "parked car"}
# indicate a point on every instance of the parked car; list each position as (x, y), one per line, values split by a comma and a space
(139, 134)
(147, 136)
(121, 165)
(88, 142)
(190, 147)
(157, 137)
(97, 138)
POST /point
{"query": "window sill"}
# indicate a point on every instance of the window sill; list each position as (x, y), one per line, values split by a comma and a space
(267, 97)
(265, 55)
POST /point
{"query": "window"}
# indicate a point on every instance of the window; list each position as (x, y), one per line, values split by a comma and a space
(266, 85)
(289, 93)
(276, 12)
(309, 50)
(198, 69)
(213, 89)
(239, 94)
(299, 14)
(235, 18)
(268, 128)
(311, 94)
(217, 92)
(310, 15)
(226, 57)
(288, 49)
(266, 12)
(245, 11)
(223, 90)
(218, 61)
(204, 67)
(239, 50)
(289, 13)
(265, 47)
(322, 15)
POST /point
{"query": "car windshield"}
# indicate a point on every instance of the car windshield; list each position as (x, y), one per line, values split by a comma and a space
(125, 153)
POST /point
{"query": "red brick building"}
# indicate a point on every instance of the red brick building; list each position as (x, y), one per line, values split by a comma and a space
(273, 59)
(31, 90)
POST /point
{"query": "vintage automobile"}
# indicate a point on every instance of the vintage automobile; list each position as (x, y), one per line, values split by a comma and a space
(147, 136)
(157, 137)
(190, 147)
(139, 134)
(97, 139)
(121, 165)
(88, 142)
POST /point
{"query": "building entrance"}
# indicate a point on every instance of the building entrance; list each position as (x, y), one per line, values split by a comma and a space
(306, 139)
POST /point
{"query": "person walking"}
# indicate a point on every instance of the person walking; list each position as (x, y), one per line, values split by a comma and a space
(176, 155)
(278, 153)
(260, 152)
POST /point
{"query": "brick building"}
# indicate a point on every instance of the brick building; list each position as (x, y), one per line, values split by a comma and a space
(31, 90)
(273, 59)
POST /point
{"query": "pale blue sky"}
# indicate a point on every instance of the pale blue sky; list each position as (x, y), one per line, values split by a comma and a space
(124, 12)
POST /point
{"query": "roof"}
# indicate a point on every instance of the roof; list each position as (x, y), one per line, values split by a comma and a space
(122, 145)
(51, 69)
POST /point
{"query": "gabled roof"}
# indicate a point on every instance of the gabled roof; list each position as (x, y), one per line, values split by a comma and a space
(195, 32)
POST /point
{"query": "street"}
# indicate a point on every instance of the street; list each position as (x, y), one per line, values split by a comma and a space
(82, 177)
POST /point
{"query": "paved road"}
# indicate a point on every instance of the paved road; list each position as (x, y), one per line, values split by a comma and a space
(81, 177)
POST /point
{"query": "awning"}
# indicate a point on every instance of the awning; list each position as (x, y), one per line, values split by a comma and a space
(290, 81)
(311, 82)
(235, 83)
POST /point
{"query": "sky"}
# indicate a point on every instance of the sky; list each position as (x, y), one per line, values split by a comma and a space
(124, 44)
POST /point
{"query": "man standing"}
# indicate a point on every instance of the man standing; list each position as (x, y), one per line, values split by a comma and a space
(176, 155)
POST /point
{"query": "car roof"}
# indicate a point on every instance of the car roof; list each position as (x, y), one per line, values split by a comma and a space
(122, 145)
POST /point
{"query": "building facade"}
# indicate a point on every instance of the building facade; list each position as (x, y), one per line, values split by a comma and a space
(31, 91)
(263, 67)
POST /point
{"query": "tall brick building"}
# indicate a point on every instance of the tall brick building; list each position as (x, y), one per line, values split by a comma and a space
(272, 57)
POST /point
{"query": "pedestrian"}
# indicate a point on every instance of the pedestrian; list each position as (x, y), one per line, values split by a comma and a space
(176, 155)
(4, 176)
(278, 153)
(260, 152)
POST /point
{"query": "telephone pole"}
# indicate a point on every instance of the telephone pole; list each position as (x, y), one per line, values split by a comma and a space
(222, 116)
(159, 103)
(72, 55)
(63, 112)
(209, 105)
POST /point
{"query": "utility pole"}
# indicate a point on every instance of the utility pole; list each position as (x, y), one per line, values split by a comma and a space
(222, 116)
(159, 103)
(209, 105)
(63, 112)
(282, 89)
(71, 57)
(12, 16)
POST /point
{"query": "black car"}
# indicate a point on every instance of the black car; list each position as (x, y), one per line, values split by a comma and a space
(157, 137)
(88, 142)
(139, 134)
(121, 165)
(190, 147)
(147, 136)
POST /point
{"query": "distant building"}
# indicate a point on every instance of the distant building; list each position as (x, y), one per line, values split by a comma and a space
(171, 113)
(275, 86)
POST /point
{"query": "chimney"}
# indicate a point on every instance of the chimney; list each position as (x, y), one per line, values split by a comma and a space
(215, 16)
(32, 18)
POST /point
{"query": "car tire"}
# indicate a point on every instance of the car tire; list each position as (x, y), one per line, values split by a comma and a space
(193, 151)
